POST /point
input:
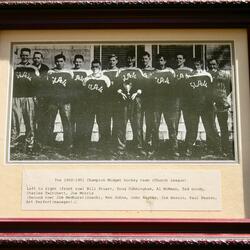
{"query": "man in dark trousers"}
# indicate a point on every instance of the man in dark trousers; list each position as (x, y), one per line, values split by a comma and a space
(111, 72)
(78, 104)
(96, 86)
(25, 85)
(221, 89)
(166, 103)
(129, 91)
(148, 100)
(42, 99)
(198, 102)
(60, 82)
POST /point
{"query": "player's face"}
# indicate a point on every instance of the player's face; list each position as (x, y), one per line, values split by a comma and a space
(180, 60)
(130, 61)
(161, 62)
(145, 60)
(213, 65)
(96, 68)
(25, 56)
(37, 59)
(60, 63)
(78, 63)
(113, 62)
(197, 65)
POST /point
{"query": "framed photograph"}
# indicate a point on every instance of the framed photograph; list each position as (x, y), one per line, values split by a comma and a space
(124, 134)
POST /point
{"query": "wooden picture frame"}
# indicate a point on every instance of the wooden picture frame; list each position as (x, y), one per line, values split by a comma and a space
(125, 232)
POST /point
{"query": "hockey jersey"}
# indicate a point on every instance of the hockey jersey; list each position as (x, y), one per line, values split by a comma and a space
(164, 83)
(60, 82)
(79, 75)
(198, 89)
(221, 88)
(112, 75)
(182, 74)
(26, 81)
(130, 80)
(96, 87)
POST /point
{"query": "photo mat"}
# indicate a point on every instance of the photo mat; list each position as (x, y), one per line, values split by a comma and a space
(175, 112)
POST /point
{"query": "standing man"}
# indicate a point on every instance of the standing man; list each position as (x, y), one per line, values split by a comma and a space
(166, 103)
(78, 105)
(129, 91)
(182, 72)
(220, 91)
(148, 99)
(60, 82)
(25, 85)
(42, 98)
(198, 102)
(111, 100)
(97, 85)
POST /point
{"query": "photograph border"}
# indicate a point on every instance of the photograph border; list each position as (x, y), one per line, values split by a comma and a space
(134, 43)
(162, 15)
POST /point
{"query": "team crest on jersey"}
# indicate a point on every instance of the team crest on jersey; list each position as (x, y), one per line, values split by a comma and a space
(199, 83)
(162, 80)
(127, 76)
(60, 80)
(95, 87)
(24, 75)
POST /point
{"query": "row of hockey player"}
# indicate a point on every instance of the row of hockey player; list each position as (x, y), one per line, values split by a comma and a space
(115, 95)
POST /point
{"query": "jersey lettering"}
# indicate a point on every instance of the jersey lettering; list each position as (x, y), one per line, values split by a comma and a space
(128, 76)
(24, 74)
(95, 87)
(162, 80)
(60, 80)
(198, 83)
(79, 78)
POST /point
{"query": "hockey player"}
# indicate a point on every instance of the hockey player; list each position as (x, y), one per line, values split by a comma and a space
(148, 99)
(78, 104)
(197, 102)
(182, 72)
(220, 91)
(25, 84)
(166, 103)
(111, 100)
(129, 91)
(96, 86)
(42, 98)
(60, 82)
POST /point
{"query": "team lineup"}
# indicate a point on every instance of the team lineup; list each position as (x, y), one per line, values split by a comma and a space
(114, 96)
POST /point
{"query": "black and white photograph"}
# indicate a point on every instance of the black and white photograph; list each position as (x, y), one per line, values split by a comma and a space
(127, 101)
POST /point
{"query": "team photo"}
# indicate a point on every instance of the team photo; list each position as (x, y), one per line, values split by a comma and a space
(122, 102)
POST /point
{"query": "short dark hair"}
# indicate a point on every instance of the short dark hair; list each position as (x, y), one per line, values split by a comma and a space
(158, 56)
(113, 55)
(25, 49)
(96, 61)
(38, 53)
(78, 56)
(145, 53)
(60, 56)
(181, 54)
